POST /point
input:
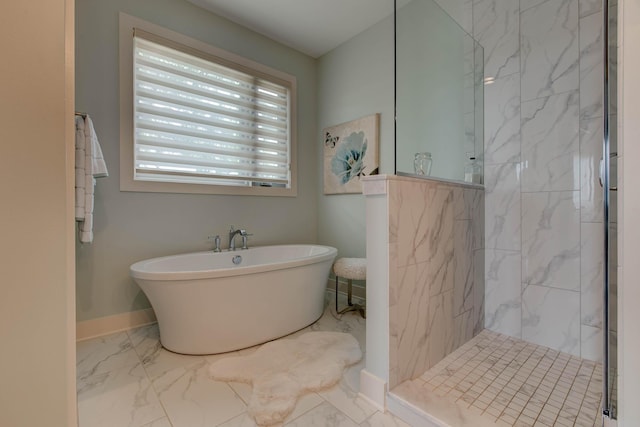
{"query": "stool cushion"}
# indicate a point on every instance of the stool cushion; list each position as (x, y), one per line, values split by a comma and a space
(351, 268)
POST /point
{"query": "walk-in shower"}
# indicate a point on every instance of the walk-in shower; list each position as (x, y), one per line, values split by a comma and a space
(546, 141)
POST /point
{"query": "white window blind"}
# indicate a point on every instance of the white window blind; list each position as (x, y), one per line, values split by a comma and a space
(199, 121)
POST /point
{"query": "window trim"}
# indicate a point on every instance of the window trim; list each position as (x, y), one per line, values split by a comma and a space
(127, 182)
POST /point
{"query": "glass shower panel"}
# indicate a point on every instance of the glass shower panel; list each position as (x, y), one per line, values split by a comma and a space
(439, 93)
(612, 342)
(610, 398)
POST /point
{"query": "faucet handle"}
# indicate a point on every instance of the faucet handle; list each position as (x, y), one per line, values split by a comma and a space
(216, 240)
(245, 238)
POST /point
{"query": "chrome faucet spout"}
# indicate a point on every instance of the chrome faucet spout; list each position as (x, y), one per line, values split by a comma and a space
(232, 236)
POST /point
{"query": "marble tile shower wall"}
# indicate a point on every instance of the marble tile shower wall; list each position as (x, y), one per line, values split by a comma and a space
(436, 271)
(542, 148)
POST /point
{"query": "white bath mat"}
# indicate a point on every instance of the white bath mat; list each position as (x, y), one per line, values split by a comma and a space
(280, 371)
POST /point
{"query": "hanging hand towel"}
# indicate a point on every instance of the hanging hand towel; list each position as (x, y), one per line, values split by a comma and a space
(89, 166)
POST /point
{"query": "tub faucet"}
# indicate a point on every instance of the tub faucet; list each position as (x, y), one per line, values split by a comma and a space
(216, 241)
(232, 236)
(245, 238)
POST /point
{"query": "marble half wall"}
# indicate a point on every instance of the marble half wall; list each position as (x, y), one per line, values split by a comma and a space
(435, 259)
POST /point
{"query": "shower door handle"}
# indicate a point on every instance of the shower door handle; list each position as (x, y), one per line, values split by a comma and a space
(602, 172)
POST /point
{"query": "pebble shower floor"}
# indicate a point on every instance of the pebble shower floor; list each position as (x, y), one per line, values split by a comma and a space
(504, 381)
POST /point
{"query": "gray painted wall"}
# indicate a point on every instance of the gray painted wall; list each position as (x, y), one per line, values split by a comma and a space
(354, 80)
(134, 226)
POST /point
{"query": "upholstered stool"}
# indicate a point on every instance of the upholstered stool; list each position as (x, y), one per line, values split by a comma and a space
(350, 269)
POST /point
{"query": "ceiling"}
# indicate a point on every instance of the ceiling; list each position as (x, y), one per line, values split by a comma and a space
(313, 27)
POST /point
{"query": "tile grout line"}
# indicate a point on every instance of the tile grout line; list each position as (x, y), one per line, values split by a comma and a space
(568, 393)
(473, 357)
(583, 397)
(530, 365)
(512, 397)
(554, 384)
(146, 374)
(531, 354)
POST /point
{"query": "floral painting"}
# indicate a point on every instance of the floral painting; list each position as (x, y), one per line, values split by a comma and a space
(350, 152)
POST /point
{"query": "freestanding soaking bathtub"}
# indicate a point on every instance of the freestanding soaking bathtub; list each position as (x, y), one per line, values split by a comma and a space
(214, 302)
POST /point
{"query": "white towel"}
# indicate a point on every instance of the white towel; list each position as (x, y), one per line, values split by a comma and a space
(89, 166)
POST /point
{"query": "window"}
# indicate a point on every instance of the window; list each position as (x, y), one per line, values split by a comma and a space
(203, 120)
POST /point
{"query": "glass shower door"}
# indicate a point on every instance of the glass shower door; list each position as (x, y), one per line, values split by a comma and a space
(610, 188)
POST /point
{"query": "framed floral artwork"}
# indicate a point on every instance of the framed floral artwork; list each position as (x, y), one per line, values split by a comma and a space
(350, 152)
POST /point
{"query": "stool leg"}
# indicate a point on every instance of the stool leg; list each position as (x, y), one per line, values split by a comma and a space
(351, 306)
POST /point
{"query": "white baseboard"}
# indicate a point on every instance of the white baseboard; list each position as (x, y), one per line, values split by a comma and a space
(110, 324)
(93, 328)
(410, 414)
(373, 389)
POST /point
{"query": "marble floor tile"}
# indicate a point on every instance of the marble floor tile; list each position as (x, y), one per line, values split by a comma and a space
(345, 395)
(244, 391)
(129, 379)
(104, 354)
(162, 422)
(242, 420)
(380, 419)
(192, 399)
(157, 361)
(351, 376)
(121, 397)
(324, 415)
(348, 402)
(304, 405)
(350, 322)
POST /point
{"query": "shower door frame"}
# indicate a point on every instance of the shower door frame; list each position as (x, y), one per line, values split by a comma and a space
(605, 170)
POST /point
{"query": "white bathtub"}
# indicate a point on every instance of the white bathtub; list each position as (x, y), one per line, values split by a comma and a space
(206, 304)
